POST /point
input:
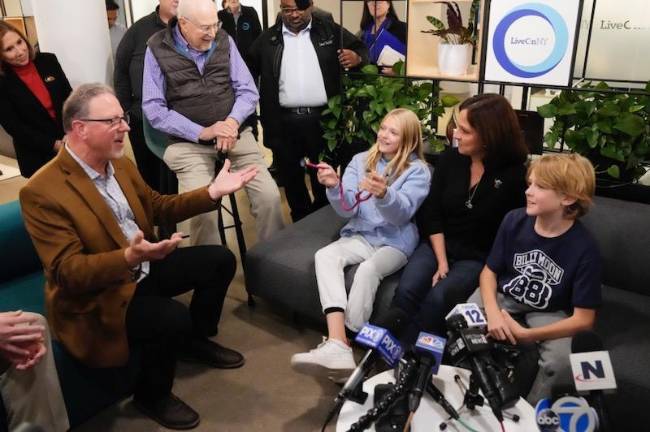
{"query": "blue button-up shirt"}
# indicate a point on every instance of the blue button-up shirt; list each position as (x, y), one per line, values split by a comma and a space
(112, 193)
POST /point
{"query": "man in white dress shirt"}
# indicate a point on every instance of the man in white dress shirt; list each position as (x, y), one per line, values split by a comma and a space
(299, 63)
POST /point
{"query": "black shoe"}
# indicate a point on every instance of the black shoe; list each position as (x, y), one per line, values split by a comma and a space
(212, 354)
(170, 411)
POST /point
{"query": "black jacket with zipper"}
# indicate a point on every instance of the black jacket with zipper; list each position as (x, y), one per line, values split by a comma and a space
(265, 59)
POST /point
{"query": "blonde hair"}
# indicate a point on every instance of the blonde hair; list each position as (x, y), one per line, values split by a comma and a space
(411, 142)
(569, 174)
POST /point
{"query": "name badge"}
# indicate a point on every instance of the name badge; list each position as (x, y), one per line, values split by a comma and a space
(326, 43)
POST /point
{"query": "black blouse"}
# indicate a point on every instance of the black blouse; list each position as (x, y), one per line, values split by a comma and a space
(469, 232)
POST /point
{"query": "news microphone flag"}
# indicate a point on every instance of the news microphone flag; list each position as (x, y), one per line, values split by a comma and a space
(592, 371)
(434, 346)
(380, 340)
(567, 414)
(471, 312)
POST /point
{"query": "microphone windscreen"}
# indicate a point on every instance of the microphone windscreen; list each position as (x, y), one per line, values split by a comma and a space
(586, 341)
(303, 4)
(456, 322)
(394, 320)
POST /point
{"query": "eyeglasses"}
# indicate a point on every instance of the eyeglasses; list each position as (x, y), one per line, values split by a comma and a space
(112, 122)
(290, 11)
(207, 29)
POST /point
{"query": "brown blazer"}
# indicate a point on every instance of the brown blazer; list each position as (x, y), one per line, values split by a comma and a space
(88, 283)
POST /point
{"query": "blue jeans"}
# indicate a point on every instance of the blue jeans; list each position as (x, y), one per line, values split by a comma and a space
(426, 304)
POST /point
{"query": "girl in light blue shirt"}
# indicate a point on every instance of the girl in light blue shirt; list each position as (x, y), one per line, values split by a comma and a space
(380, 192)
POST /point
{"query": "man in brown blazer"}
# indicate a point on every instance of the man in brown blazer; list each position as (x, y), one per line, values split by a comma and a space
(109, 279)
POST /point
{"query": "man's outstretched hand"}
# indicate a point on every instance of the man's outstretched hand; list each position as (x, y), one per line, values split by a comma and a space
(227, 182)
(141, 250)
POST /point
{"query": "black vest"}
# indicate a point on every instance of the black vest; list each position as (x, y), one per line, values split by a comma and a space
(204, 99)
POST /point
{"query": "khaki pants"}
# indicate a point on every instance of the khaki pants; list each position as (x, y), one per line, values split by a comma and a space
(194, 168)
(34, 395)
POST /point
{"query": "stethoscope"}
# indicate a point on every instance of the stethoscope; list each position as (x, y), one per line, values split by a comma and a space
(359, 196)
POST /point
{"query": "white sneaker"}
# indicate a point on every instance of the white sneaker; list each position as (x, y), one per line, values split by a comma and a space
(331, 357)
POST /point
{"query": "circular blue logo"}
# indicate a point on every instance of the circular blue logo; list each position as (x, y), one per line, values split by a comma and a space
(560, 30)
(246, 26)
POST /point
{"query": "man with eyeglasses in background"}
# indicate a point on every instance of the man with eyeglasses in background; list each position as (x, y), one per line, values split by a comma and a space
(298, 62)
(198, 90)
(109, 281)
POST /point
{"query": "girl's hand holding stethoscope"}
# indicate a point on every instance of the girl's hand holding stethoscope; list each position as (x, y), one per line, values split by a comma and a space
(374, 183)
(325, 174)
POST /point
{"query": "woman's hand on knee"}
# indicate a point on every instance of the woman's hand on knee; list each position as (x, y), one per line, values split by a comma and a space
(443, 269)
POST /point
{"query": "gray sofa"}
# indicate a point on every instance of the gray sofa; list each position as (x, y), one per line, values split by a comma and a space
(281, 271)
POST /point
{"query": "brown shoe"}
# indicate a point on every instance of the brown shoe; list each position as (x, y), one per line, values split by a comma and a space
(170, 411)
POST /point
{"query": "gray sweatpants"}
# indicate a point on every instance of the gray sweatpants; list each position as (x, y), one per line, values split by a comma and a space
(554, 365)
(375, 264)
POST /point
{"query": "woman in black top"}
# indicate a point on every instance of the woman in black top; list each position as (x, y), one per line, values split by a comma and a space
(472, 189)
(33, 88)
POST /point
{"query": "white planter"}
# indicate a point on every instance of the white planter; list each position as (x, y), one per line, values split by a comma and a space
(454, 59)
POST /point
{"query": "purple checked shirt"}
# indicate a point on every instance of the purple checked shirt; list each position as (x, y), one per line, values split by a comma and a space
(154, 104)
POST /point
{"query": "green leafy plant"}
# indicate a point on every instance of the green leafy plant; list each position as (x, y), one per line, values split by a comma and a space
(611, 129)
(354, 116)
(454, 32)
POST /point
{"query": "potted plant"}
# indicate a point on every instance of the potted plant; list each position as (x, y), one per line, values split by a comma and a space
(611, 129)
(351, 120)
(457, 41)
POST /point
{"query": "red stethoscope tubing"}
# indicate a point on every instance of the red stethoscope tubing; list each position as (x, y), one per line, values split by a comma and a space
(358, 197)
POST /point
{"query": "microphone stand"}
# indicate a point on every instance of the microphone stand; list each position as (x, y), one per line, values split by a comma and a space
(389, 399)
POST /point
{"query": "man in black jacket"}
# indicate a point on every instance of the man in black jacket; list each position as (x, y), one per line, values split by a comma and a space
(129, 64)
(298, 62)
(241, 23)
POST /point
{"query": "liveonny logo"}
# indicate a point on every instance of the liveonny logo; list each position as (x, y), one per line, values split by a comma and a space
(533, 39)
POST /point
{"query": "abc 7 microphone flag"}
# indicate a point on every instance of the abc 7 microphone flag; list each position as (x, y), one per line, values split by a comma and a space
(567, 414)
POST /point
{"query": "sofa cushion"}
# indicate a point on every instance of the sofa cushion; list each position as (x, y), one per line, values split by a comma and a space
(15, 244)
(24, 293)
(622, 231)
(282, 269)
(623, 323)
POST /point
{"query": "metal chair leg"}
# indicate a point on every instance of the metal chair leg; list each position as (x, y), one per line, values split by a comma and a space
(241, 241)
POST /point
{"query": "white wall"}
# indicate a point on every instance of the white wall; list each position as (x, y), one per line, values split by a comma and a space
(142, 8)
(145, 7)
(76, 31)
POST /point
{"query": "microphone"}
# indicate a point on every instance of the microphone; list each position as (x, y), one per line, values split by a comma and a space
(381, 344)
(472, 346)
(592, 372)
(429, 350)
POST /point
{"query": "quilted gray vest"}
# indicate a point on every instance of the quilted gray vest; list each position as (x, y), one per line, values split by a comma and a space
(204, 99)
